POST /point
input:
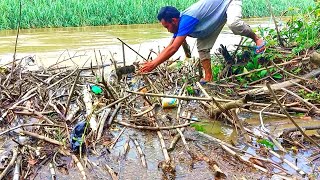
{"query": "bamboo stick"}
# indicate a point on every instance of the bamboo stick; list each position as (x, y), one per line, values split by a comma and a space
(163, 146)
(72, 113)
(178, 97)
(52, 141)
(183, 139)
(284, 84)
(291, 119)
(177, 137)
(288, 163)
(41, 116)
(182, 91)
(266, 113)
(102, 121)
(295, 60)
(114, 142)
(113, 115)
(152, 128)
(284, 71)
(113, 103)
(71, 92)
(52, 171)
(25, 125)
(126, 148)
(15, 105)
(111, 172)
(11, 163)
(91, 117)
(63, 78)
(16, 172)
(145, 112)
(314, 108)
(80, 166)
(142, 157)
(243, 159)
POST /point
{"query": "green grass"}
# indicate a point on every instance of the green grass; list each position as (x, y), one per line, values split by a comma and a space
(64, 13)
(259, 8)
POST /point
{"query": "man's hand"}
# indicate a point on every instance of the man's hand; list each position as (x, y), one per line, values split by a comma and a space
(148, 67)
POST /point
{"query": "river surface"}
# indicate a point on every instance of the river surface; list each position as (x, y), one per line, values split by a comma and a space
(85, 44)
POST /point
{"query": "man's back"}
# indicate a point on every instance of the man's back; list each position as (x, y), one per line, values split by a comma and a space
(203, 17)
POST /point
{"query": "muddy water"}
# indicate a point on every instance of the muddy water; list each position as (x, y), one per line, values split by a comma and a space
(47, 46)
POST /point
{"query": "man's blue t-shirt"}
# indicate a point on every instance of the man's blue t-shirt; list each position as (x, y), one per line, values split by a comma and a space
(202, 18)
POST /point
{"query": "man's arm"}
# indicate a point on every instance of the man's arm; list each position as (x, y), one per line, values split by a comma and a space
(165, 54)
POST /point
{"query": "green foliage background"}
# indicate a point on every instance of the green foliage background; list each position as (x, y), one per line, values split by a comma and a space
(64, 13)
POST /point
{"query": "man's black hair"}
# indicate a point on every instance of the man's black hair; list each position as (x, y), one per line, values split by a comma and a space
(167, 13)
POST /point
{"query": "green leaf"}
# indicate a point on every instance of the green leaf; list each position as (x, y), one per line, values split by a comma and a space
(190, 90)
(266, 143)
(277, 76)
(250, 66)
(245, 70)
(263, 73)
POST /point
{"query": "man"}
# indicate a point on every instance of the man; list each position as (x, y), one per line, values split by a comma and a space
(203, 20)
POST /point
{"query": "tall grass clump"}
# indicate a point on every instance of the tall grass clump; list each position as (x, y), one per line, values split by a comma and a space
(64, 13)
(259, 8)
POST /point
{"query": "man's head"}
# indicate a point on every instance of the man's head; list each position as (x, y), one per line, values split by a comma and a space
(169, 17)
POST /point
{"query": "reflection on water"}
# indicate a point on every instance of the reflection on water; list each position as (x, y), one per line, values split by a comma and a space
(50, 44)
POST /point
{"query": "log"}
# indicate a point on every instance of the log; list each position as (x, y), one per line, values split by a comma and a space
(214, 110)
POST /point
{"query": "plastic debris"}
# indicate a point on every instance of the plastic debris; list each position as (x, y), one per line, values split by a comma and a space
(96, 89)
(169, 102)
(76, 135)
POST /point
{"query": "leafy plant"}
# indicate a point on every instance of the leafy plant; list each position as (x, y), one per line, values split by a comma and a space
(302, 30)
(255, 62)
(216, 69)
(277, 76)
(313, 96)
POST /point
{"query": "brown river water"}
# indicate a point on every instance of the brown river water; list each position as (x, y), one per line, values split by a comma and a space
(50, 45)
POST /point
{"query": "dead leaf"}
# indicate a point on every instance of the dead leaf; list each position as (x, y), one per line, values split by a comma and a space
(306, 118)
(32, 162)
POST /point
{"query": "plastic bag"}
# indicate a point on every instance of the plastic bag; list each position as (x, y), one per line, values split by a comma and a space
(76, 136)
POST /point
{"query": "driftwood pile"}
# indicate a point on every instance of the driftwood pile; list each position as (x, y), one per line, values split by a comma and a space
(41, 108)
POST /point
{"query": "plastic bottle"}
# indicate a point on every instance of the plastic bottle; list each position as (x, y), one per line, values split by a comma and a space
(169, 102)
